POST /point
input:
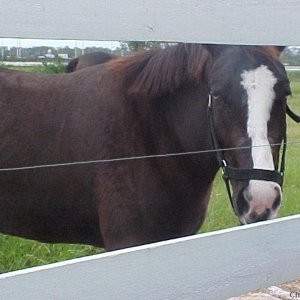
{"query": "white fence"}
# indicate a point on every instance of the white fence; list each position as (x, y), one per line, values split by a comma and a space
(210, 266)
(214, 266)
(215, 21)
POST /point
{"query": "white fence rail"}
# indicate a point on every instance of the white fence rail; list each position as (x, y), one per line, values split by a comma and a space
(215, 266)
(211, 266)
(215, 21)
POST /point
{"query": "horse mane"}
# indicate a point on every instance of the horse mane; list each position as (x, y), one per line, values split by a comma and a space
(158, 72)
(271, 52)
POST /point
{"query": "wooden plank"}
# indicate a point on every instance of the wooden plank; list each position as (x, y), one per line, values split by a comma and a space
(211, 21)
(215, 265)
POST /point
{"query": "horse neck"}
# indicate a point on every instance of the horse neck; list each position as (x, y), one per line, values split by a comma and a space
(178, 123)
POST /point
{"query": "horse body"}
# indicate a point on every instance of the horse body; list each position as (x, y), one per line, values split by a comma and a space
(63, 118)
(153, 103)
(50, 204)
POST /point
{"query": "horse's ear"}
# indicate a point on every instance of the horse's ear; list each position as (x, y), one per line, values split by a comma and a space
(280, 48)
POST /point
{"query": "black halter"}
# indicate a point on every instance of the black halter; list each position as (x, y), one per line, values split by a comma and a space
(229, 173)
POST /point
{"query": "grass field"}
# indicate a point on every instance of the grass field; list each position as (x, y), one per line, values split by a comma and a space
(18, 253)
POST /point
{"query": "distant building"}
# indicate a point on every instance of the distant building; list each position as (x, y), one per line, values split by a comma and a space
(49, 54)
(3, 52)
(63, 55)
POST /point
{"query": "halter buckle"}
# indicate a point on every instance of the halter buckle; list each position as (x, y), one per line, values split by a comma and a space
(223, 169)
(223, 163)
(209, 101)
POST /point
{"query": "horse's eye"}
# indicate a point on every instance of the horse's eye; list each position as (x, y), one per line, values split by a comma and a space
(284, 90)
(288, 93)
(287, 90)
(282, 93)
(280, 99)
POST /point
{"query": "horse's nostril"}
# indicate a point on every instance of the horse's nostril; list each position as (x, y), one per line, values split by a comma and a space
(277, 189)
(277, 202)
(242, 203)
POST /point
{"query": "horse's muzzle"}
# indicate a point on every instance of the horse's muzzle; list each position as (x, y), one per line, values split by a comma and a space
(259, 201)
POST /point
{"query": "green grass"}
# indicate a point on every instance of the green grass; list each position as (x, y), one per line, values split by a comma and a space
(294, 76)
(44, 69)
(16, 253)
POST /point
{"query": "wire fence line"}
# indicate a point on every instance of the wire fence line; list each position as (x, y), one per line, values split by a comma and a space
(120, 159)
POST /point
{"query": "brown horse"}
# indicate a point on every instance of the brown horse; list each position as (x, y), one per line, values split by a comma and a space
(88, 59)
(146, 104)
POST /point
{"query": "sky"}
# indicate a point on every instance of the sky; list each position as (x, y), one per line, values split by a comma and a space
(27, 43)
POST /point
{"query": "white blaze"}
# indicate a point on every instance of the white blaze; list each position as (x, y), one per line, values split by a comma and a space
(259, 85)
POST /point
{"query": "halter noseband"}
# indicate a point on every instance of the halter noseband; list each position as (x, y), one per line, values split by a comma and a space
(229, 173)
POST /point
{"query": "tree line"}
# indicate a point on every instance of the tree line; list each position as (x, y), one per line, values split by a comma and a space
(290, 56)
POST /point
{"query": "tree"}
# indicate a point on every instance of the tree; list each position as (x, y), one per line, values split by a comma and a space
(291, 56)
(135, 46)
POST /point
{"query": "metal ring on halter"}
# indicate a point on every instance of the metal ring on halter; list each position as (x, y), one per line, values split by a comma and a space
(209, 100)
(223, 169)
(224, 163)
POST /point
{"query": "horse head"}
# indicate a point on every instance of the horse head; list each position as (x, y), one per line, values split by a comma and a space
(248, 93)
